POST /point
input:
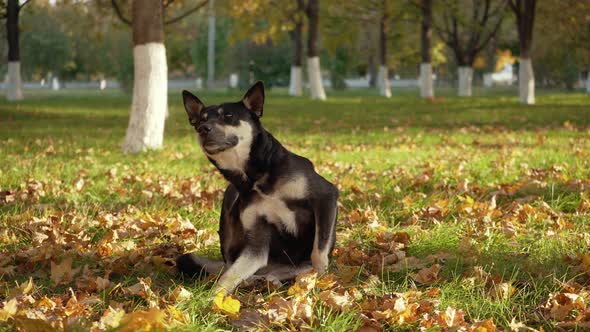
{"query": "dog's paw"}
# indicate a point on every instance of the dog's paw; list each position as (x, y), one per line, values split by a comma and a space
(319, 262)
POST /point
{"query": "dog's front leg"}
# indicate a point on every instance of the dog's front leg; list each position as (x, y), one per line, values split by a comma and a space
(253, 257)
(325, 211)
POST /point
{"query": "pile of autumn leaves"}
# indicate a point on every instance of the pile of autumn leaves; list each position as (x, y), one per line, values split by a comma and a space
(87, 287)
(341, 292)
(86, 267)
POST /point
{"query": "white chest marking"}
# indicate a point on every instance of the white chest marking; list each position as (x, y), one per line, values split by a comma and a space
(273, 207)
(235, 159)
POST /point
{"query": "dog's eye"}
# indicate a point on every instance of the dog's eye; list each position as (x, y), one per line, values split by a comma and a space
(228, 116)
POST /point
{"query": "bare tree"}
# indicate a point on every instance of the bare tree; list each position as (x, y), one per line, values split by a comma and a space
(524, 10)
(10, 12)
(467, 27)
(150, 82)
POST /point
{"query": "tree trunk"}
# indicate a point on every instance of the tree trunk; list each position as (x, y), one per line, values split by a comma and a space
(588, 82)
(150, 83)
(383, 79)
(14, 83)
(372, 70)
(426, 86)
(525, 20)
(211, 45)
(313, 60)
(384, 84)
(465, 80)
(526, 81)
(296, 81)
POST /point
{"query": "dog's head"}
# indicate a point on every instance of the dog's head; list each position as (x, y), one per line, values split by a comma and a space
(228, 126)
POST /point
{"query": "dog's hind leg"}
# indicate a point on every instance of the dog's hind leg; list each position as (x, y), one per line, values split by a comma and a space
(253, 257)
(192, 266)
(243, 268)
(325, 211)
(282, 272)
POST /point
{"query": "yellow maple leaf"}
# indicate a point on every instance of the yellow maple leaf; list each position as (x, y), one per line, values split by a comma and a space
(226, 304)
(8, 310)
(152, 319)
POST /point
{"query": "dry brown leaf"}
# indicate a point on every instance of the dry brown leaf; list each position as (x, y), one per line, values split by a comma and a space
(327, 281)
(250, 320)
(485, 326)
(335, 300)
(110, 319)
(560, 305)
(304, 283)
(63, 273)
(451, 317)
(180, 294)
(427, 276)
(38, 323)
(143, 289)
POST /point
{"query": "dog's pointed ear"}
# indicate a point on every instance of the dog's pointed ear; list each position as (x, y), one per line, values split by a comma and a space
(254, 98)
(192, 104)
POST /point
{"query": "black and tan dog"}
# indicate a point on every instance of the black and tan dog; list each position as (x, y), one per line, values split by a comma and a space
(278, 217)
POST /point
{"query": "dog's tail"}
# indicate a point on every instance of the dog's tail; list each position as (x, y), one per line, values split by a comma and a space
(194, 266)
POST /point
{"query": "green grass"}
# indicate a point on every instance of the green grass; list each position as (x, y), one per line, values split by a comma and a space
(373, 148)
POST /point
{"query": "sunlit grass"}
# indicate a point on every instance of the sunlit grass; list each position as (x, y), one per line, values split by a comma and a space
(363, 143)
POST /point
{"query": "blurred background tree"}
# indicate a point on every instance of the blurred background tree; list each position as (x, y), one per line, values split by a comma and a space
(256, 42)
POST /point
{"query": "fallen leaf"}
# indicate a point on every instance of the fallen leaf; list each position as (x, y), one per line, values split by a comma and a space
(451, 317)
(304, 283)
(110, 319)
(63, 273)
(144, 320)
(335, 300)
(8, 310)
(180, 294)
(428, 275)
(226, 304)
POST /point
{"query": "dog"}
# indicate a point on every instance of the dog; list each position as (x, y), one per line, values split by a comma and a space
(278, 217)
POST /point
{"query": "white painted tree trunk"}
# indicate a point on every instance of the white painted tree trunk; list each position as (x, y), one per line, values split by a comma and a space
(14, 84)
(526, 82)
(426, 86)
(150, 98)
(314, 74)
(383, 82)
(296, 81)
(465, 81)
(55, 85)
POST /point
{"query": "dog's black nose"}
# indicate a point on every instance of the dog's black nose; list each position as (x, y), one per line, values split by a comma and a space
(204, 129)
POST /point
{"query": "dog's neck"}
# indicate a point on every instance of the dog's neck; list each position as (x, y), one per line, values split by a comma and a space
(265, 153)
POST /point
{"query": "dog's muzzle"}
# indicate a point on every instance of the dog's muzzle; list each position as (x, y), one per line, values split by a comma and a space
(213, 146)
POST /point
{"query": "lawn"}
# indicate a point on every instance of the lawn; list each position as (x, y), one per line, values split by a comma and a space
(469, 213)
